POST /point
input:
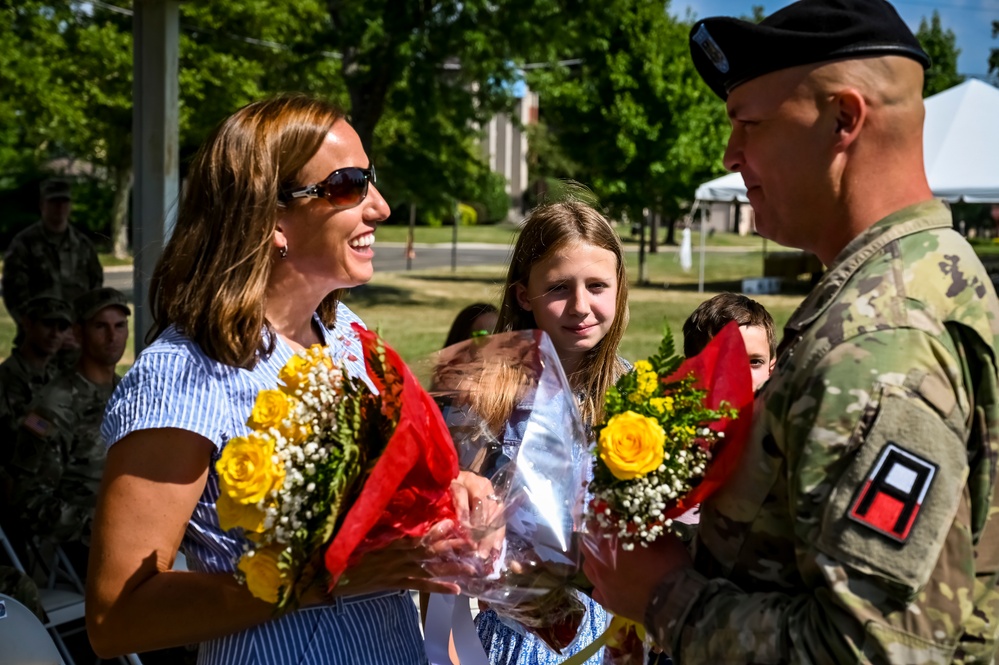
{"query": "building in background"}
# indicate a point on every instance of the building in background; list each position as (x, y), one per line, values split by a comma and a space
(505, 147)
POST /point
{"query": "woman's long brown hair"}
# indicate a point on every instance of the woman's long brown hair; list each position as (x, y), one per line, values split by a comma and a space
(211, 278)
(548, 229)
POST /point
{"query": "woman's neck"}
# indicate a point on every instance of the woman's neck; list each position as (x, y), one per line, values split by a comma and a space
(290, 312)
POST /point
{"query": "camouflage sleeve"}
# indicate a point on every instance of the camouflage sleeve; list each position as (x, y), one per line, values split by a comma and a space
(39, 463)
(95, 271)
(15, 278)
(876, 468)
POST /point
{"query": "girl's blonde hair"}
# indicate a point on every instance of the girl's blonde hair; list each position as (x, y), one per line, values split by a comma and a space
(211, 278)
(550, 228)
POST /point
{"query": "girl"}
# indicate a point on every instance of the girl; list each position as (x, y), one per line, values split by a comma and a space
(567, 278)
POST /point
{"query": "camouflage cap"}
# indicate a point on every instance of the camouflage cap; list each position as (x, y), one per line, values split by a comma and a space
(47, 307)
(56, 189)
(92, 302)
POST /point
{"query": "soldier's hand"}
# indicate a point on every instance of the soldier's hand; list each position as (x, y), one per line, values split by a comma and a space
(624, 581)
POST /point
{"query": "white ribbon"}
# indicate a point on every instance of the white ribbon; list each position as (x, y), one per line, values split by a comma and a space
(446, 616)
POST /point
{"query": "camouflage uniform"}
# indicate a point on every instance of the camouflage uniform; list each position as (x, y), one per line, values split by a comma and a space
(59, 458)
(893, 350)
(64, 265)
(19, 381)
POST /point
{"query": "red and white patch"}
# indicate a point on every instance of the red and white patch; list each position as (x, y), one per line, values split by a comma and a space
(893, 492)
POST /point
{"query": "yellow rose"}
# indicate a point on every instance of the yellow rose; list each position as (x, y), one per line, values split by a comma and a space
(269, 410)
(293, 373)
(631, 445)
(263, 577)
(234, 514)
(295, 432)
(247, 469)
(643, 367)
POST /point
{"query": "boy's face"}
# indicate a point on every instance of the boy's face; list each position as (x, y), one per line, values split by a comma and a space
(758, 349)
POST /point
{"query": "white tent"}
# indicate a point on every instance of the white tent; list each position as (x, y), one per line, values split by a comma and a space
(960, 146)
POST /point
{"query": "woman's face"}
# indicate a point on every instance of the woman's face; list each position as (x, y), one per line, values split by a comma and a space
(332, 248)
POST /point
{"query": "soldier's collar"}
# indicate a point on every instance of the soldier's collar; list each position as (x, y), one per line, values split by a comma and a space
(912, 219)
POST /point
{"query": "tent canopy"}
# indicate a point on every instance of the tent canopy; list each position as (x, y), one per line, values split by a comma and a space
(960, 148)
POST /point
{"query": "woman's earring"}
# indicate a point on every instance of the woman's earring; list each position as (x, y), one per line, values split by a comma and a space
(283, 251)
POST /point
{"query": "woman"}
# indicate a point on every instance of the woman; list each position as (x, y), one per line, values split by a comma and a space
(278, 218)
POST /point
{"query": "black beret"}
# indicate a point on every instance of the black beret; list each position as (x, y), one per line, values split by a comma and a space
(728, 52)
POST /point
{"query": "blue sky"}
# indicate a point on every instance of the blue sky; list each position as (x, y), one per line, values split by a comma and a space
(970, 20)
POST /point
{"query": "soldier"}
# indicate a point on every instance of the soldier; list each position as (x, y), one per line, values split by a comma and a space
(862, 525)
(46, 321)
(60, 454)
(50, 256)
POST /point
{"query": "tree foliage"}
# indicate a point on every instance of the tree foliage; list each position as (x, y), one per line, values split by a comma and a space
(634, 118)
(941, 46)
(994, 53)
(419, 78)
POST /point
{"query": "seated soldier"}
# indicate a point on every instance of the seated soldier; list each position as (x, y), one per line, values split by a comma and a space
(59, 452)
(29, 367)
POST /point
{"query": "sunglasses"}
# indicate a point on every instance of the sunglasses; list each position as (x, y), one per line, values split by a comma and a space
(344, 188)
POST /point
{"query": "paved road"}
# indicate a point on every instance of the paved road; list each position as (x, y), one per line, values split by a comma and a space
(389, 257)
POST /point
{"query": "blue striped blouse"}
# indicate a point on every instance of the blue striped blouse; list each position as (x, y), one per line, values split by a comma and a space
(174, 384)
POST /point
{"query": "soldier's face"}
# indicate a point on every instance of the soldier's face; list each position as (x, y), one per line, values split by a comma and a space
(104, 336)
(782, 147)
(55, 213)
(44, 335)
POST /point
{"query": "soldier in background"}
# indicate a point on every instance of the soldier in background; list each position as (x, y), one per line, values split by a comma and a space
(863, 523)
(60, 452)
(28, 368)
(49, 257)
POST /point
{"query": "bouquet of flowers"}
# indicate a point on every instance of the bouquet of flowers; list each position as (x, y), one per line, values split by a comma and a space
(672, 434)
(514, 419)
(332, 469)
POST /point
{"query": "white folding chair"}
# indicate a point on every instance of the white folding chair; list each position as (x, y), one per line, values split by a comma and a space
(23, 636)
(62, 598)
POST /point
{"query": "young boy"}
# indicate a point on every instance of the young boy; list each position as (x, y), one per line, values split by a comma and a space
(755, 324)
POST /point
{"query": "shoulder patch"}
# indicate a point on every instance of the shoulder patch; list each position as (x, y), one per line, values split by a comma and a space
(37, 425)
(893, 492)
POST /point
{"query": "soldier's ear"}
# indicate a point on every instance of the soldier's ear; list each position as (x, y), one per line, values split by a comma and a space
(851, 113)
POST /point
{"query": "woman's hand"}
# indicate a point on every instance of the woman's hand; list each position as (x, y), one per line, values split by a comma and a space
(401, 565)
(480, 512)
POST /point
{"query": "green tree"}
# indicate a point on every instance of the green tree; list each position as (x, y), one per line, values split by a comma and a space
(423, 76)
(994, 53)
(634, 117)
(941, 46)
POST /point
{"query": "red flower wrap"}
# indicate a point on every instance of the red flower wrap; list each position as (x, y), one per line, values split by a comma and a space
(722, 369)
(408, 490)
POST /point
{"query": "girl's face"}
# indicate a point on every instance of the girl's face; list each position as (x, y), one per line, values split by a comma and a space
(573, 296)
